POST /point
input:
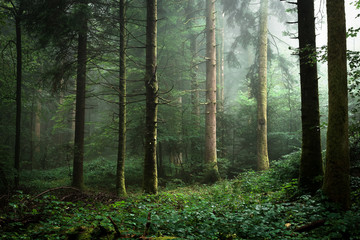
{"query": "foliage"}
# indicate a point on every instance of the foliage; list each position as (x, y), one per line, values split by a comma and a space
(238, 209)
(99, 174)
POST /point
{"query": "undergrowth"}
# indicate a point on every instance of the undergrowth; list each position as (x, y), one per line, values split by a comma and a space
(253, 206)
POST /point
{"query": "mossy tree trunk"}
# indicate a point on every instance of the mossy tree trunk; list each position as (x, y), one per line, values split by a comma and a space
(337, 179)
(311, 169)
(262, 146)
(150, 184)
(78, 175)
(212, 173)
(120, 170)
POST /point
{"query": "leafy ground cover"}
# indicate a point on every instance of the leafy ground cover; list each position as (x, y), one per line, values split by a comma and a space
(252, 206)
(222, 211)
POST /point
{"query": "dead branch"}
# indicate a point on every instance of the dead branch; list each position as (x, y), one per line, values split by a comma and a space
(54, 189)
(118, 233)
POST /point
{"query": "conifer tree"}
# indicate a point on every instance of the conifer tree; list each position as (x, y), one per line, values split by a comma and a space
(262, 146)
(120, 172)
(311, 161)
(212, 173)
(150, 184)
(336, 184)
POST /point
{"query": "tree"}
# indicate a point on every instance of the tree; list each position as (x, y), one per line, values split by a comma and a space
(120, 171)
(336, 184)
(220, 84)
(311, 162)
(78, 175)
(150, 184)
(212, 172)
(16, 10)
(262, 148)
(194, 68)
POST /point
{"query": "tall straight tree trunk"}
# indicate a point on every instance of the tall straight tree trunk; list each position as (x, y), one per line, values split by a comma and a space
(150, 184)
(311, 162)
(120, 171)
(78, 175)
(220, 85)
(212, 173)
(337, 179)
(262, 146)
(220, 65)
(18, 99)
(195, 113)
(194, 64)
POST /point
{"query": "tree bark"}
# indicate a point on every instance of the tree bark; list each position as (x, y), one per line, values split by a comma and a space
(212, 173)
(78, 175)
(18, 99)
(120, 171)
(195, 113)
(220, 65)
(220, 86)
(150, 184)
(311, 162)
(262, 146)
(336, 184)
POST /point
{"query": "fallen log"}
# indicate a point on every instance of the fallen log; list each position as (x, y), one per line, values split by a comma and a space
(310, 226)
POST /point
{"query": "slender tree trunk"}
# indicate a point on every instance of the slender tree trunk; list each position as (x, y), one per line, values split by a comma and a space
(220, 65)
(78, 175)
(337, 179)
(120, 171)
(73, 117)
(18, 99)
(212, 173)
(262, 147)
(311, 162)
(220, 84)
(195, 114)
(194, 65)
(150, 184)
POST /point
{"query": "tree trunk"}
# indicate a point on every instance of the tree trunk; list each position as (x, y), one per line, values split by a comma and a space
(150, 184)
(311, 162)
(120, 171)
(337, 179)
(262, 147)
(78, 175)
(195, 114)
(194, 64)
(220, 65)
(220, 84)
(212, 173)
(18, 99)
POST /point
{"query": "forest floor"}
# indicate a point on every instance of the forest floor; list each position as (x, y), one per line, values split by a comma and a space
(252, 206)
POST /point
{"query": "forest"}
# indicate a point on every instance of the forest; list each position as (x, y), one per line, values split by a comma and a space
(179, 119)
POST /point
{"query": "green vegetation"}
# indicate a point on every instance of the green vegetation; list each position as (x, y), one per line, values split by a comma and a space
(252, 206)
(147, 119)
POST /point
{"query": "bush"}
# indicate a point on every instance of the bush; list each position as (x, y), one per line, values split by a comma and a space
(287, 168)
